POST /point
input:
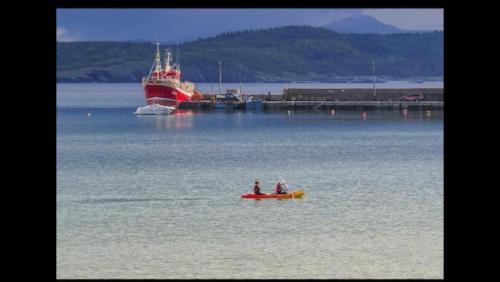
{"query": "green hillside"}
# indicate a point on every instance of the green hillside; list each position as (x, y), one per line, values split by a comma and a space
(278, 54)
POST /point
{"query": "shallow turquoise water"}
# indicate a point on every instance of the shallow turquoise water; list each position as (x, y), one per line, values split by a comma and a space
(159, 197)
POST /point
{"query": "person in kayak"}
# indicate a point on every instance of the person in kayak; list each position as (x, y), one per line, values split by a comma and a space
(279, 189)
(256, 189)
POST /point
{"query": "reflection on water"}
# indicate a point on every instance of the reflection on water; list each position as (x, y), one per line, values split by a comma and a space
(368, 115)
(178, 119)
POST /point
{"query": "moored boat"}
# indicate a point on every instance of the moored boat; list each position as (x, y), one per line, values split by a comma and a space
(154, 109)
(163, 84)
(231, 100)
(253, 104)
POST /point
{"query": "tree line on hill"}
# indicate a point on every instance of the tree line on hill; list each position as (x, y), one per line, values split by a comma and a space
(292, 53)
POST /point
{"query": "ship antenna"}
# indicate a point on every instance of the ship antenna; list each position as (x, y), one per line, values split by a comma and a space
(178, 61)
(167, 59)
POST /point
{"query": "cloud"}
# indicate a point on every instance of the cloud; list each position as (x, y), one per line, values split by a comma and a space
(63, 36)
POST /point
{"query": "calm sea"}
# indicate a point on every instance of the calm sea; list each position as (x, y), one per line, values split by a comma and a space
(159, 196)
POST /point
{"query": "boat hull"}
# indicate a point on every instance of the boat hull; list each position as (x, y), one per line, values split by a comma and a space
(165, 94)
(154, 109)
(223, 106)
(254, 105)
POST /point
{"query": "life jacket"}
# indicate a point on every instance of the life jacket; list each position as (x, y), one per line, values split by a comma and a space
(256, 189)
(278, 188)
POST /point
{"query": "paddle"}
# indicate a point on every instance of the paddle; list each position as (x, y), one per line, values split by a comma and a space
(286, 185)
(287, 188)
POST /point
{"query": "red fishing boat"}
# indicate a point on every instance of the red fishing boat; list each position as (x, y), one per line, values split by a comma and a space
(163, 85)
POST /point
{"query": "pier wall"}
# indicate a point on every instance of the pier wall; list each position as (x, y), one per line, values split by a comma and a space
(360, 94)
(353, 94)
(351, 105)
(336, 98)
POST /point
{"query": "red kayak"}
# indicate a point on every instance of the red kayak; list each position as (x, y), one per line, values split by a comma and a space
(291, 195)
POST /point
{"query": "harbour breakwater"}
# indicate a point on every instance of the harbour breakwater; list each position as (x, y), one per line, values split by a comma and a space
(336, 98)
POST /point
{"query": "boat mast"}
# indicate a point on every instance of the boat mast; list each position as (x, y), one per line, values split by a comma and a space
(157, 58)
(241, 93)
(167, 60)
(220, 75)
(178, 62)
(373, 78)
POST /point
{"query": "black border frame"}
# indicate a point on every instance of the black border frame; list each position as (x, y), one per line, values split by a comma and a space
(49, 79)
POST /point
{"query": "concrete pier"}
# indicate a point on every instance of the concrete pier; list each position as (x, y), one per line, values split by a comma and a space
(332, 105)
(196, 105)
(335, 98)
(360, 94)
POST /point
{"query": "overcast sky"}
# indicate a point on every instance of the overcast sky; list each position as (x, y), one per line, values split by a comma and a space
(188, 24)
(409, 18)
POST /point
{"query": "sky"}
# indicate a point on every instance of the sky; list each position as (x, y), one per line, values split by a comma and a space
(170, 25)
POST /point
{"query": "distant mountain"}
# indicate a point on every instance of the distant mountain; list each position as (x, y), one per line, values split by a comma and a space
(364, 24)
(292, 53)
